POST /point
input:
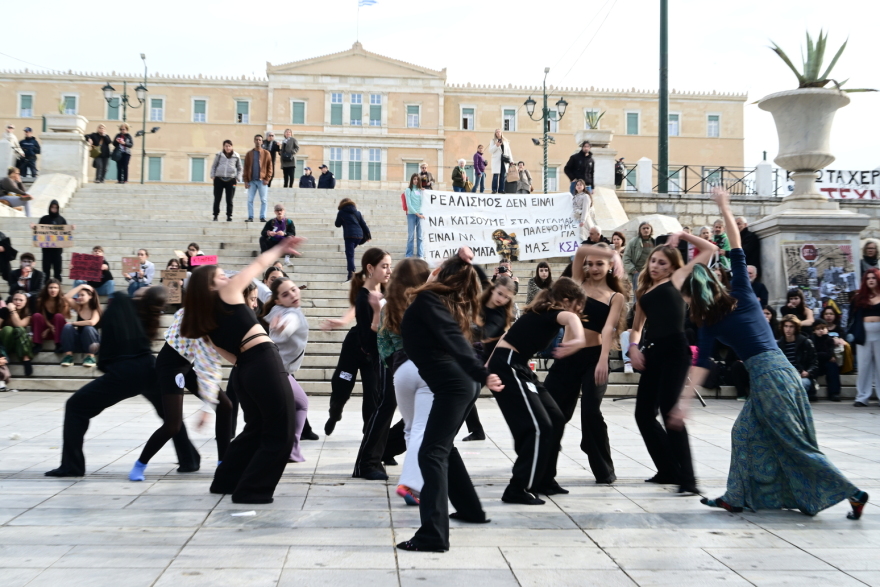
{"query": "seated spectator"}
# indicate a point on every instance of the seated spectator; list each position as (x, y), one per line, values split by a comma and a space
(174, 265)
(15, 319)
(618, 242)
(759, 288)
(307, 180)
(826, 359)
(106, 286)
(7, 255)
(53, 311)
(723, 276)
(831, 315)
(595, 237)
(192, 250)
(79, 335)
(800, 352)
(504, 269)
(26, 279)
(543, 279)
(12, 192)
(143, 277)
(275, 230)
(772, 320)
(797, 306)
(5, 375)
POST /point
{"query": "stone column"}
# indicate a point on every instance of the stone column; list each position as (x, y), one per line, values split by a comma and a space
(64, 149)
(764, 179)
(603, 173)
(645, 176)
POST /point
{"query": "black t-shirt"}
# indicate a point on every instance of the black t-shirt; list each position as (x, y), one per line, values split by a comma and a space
(4, 316)
(533, 332)
(363, 313)
(494, 322)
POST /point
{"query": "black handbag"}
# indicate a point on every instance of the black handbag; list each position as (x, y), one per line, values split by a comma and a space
(117, 154)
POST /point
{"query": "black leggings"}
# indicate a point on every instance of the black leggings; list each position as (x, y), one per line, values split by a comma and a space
(666, 367)
(256, 458)
(565, 380)
(289, 173)
(52, 260)
(351, 360)
(221, 187)
(169, 364)
(381, 440)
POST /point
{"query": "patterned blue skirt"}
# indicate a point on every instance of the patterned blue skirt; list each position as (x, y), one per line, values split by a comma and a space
(775, 461)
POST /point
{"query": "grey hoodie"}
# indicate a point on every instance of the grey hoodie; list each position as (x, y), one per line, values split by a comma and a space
(290, 335)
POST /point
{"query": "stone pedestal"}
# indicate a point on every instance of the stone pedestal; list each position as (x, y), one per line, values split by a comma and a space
(603, 172)
(608, 210)
(794, 226)
(64, 149)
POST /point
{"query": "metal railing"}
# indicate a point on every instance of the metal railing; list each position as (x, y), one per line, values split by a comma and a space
(700, 179)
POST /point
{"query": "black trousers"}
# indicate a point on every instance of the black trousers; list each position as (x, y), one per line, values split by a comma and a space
(122, 380)
(100, 166)
(351, 360)
(256, 458)
(667, 362)
(377, 430)
(531, 414)
(220, 187)
(122, 167)
(473, 421)
(289, 173)
(564, 382)
(446, 477)
(52, 261)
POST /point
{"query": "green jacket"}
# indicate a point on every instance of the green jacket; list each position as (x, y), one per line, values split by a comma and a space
(635, 255)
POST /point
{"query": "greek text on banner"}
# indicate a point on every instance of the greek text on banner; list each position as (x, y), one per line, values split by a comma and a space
(514, 226)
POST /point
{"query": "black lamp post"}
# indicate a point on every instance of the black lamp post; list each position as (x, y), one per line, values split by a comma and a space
(561, 105)
(140, 93)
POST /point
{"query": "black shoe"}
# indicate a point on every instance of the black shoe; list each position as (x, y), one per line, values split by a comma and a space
(249, 220)
(28, 368)
(688, 489)
(38, 348)
(860, 405)
(215, 218)
(188, 468)
(662, 480)
(389, 462)
(413, 547)
(519, 495)
(375, 475)
(308, 435)
(59, 472)
(461, 518)
(262, 220)
(330, 426)
(229, 219)
(552, 488)
(607, 480)
(474, 436)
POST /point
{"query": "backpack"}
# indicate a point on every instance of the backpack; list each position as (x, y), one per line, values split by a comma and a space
(403, 201)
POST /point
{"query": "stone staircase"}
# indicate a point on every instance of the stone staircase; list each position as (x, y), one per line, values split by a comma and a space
(164, 218)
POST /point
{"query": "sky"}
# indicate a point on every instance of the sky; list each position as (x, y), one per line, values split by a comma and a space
(713, 45)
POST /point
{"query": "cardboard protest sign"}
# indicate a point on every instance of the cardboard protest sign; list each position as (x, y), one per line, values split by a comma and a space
(86, 267)
(53, 236)
(172, 280)
(203, 260)
(508, 226)
(131, 265)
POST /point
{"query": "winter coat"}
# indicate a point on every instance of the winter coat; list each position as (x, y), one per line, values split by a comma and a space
(479, 163)
(495, 152)
(228, 167)
(307, 181)
(459, 176)
(30, 146)
(581, 166)
(352, 223)
(804, 354)
(126, 144)
(326, 181)
(267, 170)
(289, 150)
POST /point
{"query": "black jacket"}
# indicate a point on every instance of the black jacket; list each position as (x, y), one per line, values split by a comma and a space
(102, 141)
(307, 181)
(824, 346)
(326, 181)
(352, 223)
(127, 141)
(289, 228)
(273, 149)
(30, 146)
(580, 166)
(761, 291)
(751, 246)
(804, 354)
(35, 283)
(56, 218)
(7, 256)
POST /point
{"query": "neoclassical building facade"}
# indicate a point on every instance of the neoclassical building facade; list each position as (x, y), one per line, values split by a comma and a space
(370, 118)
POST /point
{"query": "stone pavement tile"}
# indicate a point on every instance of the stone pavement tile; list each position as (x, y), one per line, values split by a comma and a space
(23, 501)
(354, 488)
(633, 537)
(768, 559)
(96, 578)
(467, 535)
(280, 503)
(340, 557)
(118, 557)
(293, 536)
(472, 557)
(814, 538)
(801, 578)
(231, 557)
(597, 505)
(727, 578)
(346, 503)
(849, 559)
(92, 486)
(465, 578)
(176, 487)
(667, 559)
(293, 577)
(113, 518)
(298, 519)
(77, 501)
(18, 577)
(215, 576)
(175, 502)
(43, 486)
(572, 578)
(870, 578)
(30, 556)
(71, 535)
(8, 514)
(553, 558)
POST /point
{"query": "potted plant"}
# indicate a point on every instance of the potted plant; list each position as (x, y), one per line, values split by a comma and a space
(803, 120)
(597, 137)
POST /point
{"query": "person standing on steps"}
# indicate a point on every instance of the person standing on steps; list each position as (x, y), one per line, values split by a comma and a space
(581, 166)
(122, 152)
(52, 256)
(502, 157)
(99, 146)
(289, 149)
(226, 171)
(354, 231)
(479, 170)
(271, 146)
(326, 181)
(426, 178)
(413, 195)
(31, 148)
(257, 174)
(12, 192)
(307, 180)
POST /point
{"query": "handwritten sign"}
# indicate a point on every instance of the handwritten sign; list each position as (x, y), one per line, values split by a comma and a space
(53, 236)
(172, 279)
(131, 265)
(203, 260)
(499, 226)
(86, 267)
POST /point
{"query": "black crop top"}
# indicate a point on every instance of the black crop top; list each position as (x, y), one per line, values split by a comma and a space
(597, 314)
(664, 309)
(233, 323)
(533, 332)
(871, 310)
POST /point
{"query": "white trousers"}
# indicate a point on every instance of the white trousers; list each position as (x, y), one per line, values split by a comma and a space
(414, 400)
(868, 356)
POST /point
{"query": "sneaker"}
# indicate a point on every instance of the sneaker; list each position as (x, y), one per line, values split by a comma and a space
(627, 368)
(2, 386)
(67, 361)
(89, 362)
(262, 220)
(287, 259)
(249, 220)
(408, 495)
(229, 219)
(215, 219)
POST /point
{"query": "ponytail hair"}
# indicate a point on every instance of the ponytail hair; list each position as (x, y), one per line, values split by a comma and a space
(710, 301)
(372, 256)
(551, 298)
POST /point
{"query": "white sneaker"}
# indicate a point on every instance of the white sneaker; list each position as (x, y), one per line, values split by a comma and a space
(627, 368)
(287, 259)
(2, 386)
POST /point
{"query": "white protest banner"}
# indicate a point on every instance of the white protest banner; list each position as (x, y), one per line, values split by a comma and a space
(513, 226)
(844, 184)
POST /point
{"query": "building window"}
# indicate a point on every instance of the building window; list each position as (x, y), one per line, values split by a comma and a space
(299, 112)
(375, 109)
(113, 109)
(154, 171)
(200, 110)
(25, 105)
(157, 109)
(356, 110)
(336, 162)
(336, 108)
(553, 121)
(551, 179)
(409, 169)
(674, 125)
(467, 119)
(632, 123)
(69, 104)
(374, 170)
(508, 121)
(354, 164)
(413, 116)
(197, 169)
(713, 126)
(242, 111)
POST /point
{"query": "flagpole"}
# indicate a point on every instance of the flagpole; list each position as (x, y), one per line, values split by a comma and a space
(357, 33)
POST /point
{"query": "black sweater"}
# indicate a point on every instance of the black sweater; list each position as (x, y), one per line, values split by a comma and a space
(363, 314)
(431, 336)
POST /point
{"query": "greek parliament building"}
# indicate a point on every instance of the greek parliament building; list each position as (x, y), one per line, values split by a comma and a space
(372, 119)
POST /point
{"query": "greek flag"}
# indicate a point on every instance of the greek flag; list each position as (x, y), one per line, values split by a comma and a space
(366, 2)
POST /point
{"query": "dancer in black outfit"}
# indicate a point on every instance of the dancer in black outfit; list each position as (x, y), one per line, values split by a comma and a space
(434, 329)
(664, 362)
(127, 361)
(533, 417)
(599, 270)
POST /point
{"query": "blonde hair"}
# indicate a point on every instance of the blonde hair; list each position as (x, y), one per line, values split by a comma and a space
(123, 126)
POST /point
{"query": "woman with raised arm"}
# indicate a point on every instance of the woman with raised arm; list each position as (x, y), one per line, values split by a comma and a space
(775, 461)
(664, 361)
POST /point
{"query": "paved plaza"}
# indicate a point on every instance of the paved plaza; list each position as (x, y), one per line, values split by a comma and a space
(328, 529)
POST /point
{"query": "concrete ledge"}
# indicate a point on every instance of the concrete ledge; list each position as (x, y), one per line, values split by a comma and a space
(48, 187)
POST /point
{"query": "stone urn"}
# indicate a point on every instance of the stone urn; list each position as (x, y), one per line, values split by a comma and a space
(598, 137)
(803, 120)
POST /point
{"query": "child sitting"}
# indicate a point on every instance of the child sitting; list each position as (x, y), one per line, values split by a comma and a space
(826, 360)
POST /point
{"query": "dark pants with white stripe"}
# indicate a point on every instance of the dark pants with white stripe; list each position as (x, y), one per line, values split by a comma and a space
(533, 417)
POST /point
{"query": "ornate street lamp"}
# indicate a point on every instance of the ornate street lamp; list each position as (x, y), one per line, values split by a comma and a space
(561, 105)
(141, 95)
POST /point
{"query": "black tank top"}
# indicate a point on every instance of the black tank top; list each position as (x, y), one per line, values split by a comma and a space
(533, 332)
(233, 323)
(664, 310)
(597, 313)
